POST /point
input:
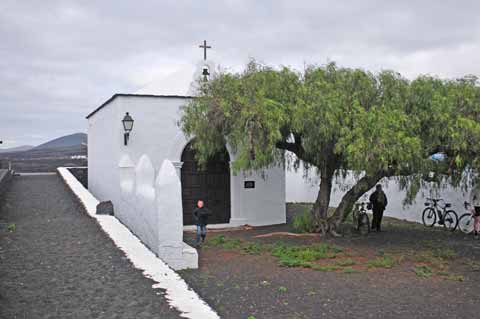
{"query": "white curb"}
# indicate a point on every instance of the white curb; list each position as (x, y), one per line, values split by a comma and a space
(178, 294)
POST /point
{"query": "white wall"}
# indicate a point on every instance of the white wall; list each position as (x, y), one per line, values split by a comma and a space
(111, 163)
(300, 189)
(156, 134)
(104, 138)
(262, 205)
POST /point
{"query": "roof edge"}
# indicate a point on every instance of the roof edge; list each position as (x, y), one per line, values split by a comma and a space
(136, 95)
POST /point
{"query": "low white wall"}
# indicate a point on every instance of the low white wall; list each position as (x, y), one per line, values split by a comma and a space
(151, 206)
(300, 189)
(177, 293)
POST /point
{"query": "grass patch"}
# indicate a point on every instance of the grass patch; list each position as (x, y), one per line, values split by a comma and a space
(381, 262)
(324, 267)
(423, 271)
(350, 270)
(11, 227)
(426, 257)
(345, 262)
(227, 243)
(302, 256)
(304, 223)
(336, 249)
(472, 263)
(253, 248)
(449, 276)
(445, 253)
(437, 258)
(292, 262)
(282, 289)
(455, 277)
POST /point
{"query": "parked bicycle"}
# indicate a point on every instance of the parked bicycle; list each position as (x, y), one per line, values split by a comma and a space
(441, 214)
(361, 222)
(467, 220)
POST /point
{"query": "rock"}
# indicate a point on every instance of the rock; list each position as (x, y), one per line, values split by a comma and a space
(105, 208)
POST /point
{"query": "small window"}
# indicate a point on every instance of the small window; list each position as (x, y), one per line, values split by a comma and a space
(249, 184)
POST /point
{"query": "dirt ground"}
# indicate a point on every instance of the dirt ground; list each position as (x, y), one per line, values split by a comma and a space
(407, 271)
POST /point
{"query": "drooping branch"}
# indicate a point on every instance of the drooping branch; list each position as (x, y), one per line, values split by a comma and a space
(295, 147)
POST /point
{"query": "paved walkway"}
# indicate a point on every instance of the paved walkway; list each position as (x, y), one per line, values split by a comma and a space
(59, 263)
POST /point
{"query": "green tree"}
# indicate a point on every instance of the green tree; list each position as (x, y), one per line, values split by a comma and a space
(337, 120)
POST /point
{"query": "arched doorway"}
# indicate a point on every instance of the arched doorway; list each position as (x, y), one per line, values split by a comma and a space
(212, 185)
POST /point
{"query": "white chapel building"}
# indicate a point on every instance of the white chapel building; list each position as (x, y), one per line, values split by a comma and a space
(152, 178)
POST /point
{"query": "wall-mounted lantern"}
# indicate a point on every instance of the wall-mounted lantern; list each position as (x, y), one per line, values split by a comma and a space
(127, 126)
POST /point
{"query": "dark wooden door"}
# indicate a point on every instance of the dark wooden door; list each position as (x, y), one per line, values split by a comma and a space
(212, 185)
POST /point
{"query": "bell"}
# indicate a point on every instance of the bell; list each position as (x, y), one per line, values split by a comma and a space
(205, 73)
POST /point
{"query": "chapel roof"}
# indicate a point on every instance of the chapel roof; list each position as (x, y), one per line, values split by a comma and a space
(135, 95)
(179, 84)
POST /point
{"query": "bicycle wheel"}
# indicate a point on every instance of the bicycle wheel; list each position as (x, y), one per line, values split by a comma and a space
(465, 223)
(429, 217)
(364, 224)
(450, 220)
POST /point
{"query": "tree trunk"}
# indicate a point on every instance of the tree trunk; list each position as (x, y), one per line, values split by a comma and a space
(320, 207)
(349, 199)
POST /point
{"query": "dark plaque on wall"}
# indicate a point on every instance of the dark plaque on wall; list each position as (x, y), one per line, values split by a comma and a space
(249, 184)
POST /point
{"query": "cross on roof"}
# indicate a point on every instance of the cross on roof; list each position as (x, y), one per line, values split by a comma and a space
(205, 47)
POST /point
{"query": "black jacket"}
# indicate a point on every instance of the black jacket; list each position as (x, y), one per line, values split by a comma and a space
(378, 200)
(200, 216)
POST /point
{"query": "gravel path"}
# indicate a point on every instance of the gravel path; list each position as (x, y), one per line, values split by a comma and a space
(59, 264)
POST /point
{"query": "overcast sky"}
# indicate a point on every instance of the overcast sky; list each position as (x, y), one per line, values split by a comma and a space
(61, 59)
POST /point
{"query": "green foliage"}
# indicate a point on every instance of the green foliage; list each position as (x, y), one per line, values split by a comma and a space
(325, 267)
(350, 270)
(304, 223)
(345, 262)
(444, 253)
(456, 277)
(381, 262)
(282, 289)
(436, 256)
(302, 256)
(336, 249)
(227, 243)
(11, 227)
(217, 240)
(253, 248)
(337, 119)
(423, 271)
(448, 276)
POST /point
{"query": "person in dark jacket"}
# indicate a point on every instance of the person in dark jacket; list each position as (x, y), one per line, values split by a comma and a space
(200, 216)
(379, 201)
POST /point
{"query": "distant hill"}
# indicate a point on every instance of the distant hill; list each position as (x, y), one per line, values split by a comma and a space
(22, 148)
(67, 141)
(70, 150)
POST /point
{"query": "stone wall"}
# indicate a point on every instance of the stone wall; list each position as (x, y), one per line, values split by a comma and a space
(81, 174)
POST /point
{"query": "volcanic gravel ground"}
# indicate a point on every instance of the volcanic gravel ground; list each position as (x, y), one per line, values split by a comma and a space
(58, 263)
(239, 285)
